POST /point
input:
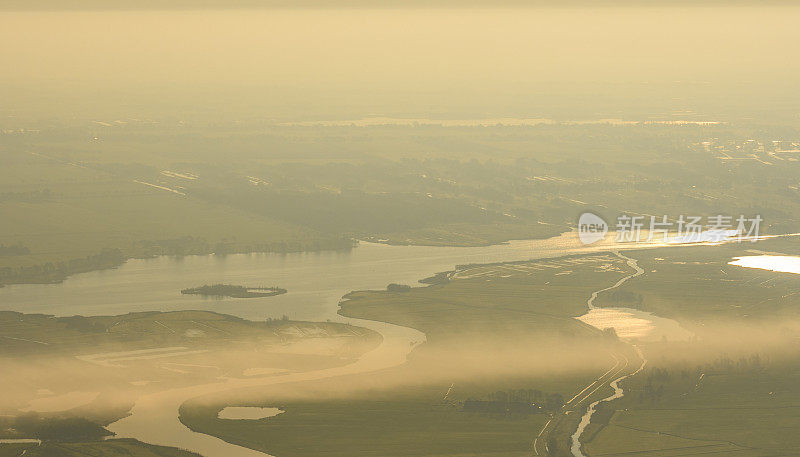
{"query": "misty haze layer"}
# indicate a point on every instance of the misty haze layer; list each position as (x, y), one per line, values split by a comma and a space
(451, 63)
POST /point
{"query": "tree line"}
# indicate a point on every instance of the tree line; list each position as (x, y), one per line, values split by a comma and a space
(53, 272)
(522, 401)
(17, 249)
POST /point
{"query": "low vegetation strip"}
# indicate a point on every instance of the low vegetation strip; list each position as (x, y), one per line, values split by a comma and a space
(229, 290)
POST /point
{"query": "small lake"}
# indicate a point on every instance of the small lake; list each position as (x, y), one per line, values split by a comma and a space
(779, 263)
(248, 412)
(632, 324)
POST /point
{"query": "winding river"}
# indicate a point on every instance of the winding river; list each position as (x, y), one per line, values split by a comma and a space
(600, 317)
(637, 324)
(315, 281)
(575, 447)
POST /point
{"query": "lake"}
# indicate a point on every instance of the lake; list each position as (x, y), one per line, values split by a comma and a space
(779, 263)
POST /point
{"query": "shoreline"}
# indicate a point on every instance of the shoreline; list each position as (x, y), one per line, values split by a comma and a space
(58, 277)
(154, 418)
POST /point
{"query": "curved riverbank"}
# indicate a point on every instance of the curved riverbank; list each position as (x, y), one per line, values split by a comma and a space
(628, 323)
(154, 418)
(622, 322)
(317, 283)
(631, 263)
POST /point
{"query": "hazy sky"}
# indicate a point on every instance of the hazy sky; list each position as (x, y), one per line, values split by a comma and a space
(396, 59)
(196, 4)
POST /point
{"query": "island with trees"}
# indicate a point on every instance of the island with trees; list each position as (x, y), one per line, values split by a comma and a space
(229, 290)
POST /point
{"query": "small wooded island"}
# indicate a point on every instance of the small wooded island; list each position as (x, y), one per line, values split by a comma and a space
(228, 290)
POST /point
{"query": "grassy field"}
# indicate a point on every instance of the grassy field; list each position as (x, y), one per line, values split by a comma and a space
(696, 286)
(71, 188)
(729, 391)
(732, 391)
(111, 448)
(735, 409)
(42, 335)
(497, 330)
(491, 328)
(95, 367)
(412, 422)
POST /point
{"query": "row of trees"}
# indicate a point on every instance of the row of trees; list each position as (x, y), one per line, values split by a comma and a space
(686, 379)
(625, 298)
(188, 245)
(523, 401)
(66, 429)
(17, 249)
(57, 271)
(51, 272)
(27, 196)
